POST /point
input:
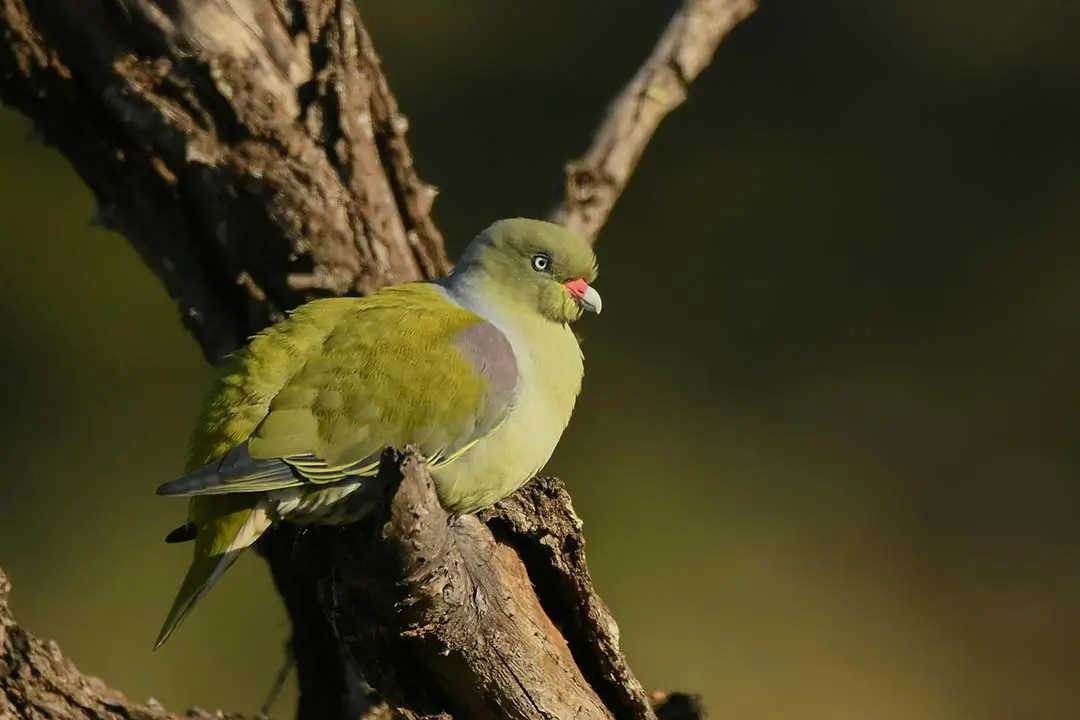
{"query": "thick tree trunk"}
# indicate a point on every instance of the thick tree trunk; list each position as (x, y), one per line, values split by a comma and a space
(252, 152)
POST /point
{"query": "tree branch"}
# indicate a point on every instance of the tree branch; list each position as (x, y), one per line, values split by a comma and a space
(253, 154)
(36, 681)
(452, 601)
(255, 158)
(595, 181)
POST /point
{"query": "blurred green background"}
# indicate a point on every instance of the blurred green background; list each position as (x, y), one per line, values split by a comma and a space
(827, 450)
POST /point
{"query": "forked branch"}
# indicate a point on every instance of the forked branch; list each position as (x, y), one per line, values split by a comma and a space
(253, 154)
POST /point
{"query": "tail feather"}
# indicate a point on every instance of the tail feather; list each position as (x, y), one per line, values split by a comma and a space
(219, 541)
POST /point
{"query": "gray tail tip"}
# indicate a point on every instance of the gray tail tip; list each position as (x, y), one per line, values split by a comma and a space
(182, 485)
(169, 488)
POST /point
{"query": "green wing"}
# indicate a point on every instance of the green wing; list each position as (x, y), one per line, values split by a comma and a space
(317, 398)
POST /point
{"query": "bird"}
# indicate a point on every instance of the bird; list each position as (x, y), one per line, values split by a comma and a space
(479, 370)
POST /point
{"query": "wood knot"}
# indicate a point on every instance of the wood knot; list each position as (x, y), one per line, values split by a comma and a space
(581, 182)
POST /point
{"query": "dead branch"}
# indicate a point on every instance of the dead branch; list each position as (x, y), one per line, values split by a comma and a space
(37, 682)
(253, 154)
(595, 181)
(453, 603)
(254, 157)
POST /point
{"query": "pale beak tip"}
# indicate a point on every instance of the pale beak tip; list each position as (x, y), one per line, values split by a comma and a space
(591, 301)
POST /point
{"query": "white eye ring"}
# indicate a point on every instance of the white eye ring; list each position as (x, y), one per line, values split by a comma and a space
(541, 262)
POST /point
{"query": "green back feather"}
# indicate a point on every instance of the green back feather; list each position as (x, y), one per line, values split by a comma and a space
(328, 389)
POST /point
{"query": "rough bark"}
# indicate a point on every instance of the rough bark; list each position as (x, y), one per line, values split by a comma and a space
(253, 154)
(38, 683)
(250, 151)
(489, 617)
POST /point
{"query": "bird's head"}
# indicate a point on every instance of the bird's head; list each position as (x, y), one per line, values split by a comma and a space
(535, 265)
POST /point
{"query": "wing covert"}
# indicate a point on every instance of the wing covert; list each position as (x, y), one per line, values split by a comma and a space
(442, 378)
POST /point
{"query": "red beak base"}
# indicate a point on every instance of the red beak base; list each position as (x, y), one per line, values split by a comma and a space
(584, 294)
(577, 287)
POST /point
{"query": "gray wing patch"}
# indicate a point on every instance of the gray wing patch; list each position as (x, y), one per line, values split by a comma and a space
(235, 471)
(488, 349)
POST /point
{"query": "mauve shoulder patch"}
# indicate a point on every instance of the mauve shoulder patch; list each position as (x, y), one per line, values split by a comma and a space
(491, 353)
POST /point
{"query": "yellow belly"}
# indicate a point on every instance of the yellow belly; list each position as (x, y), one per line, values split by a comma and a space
(550, 374)
(550, 371)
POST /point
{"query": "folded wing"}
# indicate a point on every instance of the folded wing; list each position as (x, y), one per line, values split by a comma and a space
(404, 366)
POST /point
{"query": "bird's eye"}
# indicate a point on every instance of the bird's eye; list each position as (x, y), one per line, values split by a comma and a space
(541, 262)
